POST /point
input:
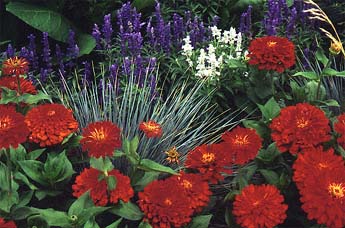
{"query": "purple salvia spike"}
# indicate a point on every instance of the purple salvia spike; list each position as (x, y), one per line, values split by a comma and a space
(107, 30)
(33, 58)
(10, 52)
(59, 58)
(96, 34)
(46, 54)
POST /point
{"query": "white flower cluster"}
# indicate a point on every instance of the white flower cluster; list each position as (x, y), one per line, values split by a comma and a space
(209, 61)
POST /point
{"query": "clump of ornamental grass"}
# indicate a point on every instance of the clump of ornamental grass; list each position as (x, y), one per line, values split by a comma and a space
(187, 118)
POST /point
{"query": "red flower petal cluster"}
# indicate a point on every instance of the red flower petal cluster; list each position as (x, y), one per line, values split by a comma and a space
(339, 127)
(323, 197)
(8, 224)
(210, 161)
(272, 53)
(259, 206)
(165, 204)
(151, 129)
(11, 83)
(300, 127)
(100, 139)
(88, 180)
(13, 129)
(315, 160)
(243, 143)
(15, 66)
(196, 189)
(49, 124)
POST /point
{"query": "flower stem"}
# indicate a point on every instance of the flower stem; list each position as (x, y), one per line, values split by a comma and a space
(9, 170)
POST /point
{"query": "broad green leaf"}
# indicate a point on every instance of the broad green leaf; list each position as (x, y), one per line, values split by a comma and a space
(57, 168)
(33, 169)
(20, 213)
(201, 221)
(332, 72)
(41, 194)
(268, 155)
(330, 103)
(128, 211)
(270, 110)
(270, 176)
(144, 225)
(111, 182)
(53, 217)
(83, 202)
(307, 74)
(321, 57)
(101, 164)
(148, 177)
(149, 165)
(260, 127)
(33, 155)
(91, 224)
(35, 98)
(21, 177)
(8, 200)
(115, 224)
(86, 43)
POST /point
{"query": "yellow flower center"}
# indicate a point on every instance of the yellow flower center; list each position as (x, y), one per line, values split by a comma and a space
(336, 190)
(241, 140)
(186, 184)
(98, 134)
(5, 123)
(151, 126)
(167, 201)
(302, 123)
(173, 155)
(271, 43)
(208, 157)
(322, 165)
(51, 113)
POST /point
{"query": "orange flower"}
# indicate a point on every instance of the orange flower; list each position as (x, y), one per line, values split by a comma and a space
(15, 66)
(323, 197)
(196, 188)
(259, 206)
(272, 53)
(300, 127)
(243, 143)
(8, 224)
(100, 139)
(49, 124)
(13, 129)
(11, 83)
(210, 161)
(339, 127)
(88, 180)
(315, 160)
(173, 155)
(165, 204)
(151, 129)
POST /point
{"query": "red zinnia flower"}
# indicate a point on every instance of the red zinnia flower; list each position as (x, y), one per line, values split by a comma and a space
(339, 127)
(210, 161)
(300, 127)
(15, 66)
(259, 206)
(8, 224)
(49, 124)
(165, 204)
(100, 139)
(151, 129)
(272, 53)
(11, 83)
(196, 188)
(323, 198)
(88, 180)
(243, 143)
(13, 129)
(315, 160)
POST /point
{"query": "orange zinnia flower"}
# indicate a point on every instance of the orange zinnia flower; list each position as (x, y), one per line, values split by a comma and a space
(165, 204)
(339, 127)
(11, 83)
(88, 180)
(7, 224)
(272, 53)
(315, 160)
(15, 66)
(210, 161)
(151, 129)
(13, 129)
(49, 124)
(300, 127)
(323, 197)
(100, 139)
(259, 206)
(243, 143)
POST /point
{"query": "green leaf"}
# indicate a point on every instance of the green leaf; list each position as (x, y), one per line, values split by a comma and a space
(147, 178)
(128, 211)
(91, 224)
(307, 74)
(8, 200)
(8, 96)
(321, 57)
(201, 221)
(268, 155)
(149, 165)
(86, 43)
(332, 72)
(270, 176)
(141, 4)
(115, 224)
(144, 225)
(111, 182)
(289, 3)
(330, 103)
(270, 110)
(101, 164)
(33, 169)
(33, 155)
(35, 98)
(83, 202)
(57, 168)
(53, 217)
(260, 127)
(21, 177)
(41, 194)
(37, 221)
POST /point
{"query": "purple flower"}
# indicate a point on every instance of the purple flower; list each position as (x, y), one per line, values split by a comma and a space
(24, 52)
(33, 58)
(96, 34)
(178, 29)
(107, 30)
(114, 68)
(151, 33)
(10, 52)
(43, 74)
(126, 66)
(290, 28)
(59, 58)
(87, 73)
(46, 54)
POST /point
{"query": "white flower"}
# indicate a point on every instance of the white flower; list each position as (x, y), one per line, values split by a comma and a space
(187, 50)
(239, 45)
(216, 33)
(232, 35)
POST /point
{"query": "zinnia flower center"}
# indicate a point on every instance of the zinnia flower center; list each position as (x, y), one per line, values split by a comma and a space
(256, 203)
(302, 123)
(5, 123)
(336, 190)
(173, 155)
(241, 140)
(322, 165)
(167, 201)
(187, 184)
(98, 134)
(51, 113)
(208, 157)
(152, 127)
(271, 43)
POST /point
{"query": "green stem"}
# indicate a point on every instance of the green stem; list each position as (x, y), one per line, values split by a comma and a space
(9, 170)
(18, 82)
(320, 80)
